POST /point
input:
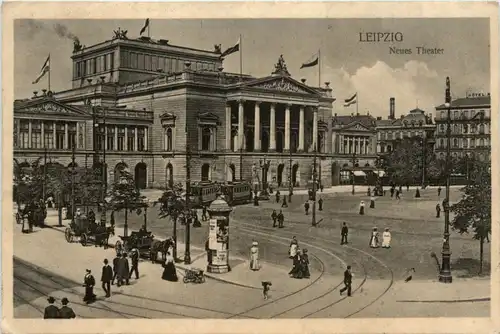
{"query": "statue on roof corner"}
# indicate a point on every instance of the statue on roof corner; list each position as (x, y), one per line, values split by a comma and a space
(280, 67)
(76, 45)
(217, 48)
(120, 34)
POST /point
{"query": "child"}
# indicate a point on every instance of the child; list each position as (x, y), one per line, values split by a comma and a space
(266, 285)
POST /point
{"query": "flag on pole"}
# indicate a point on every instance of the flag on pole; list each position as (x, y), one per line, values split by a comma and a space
(351, 101)
(232, 49)
(311, 63)
(146, 25)
(45, 69)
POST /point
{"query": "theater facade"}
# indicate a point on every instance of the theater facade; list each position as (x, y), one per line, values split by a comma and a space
(143, 104)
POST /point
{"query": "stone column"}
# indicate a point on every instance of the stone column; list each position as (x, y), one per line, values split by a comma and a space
(287, 127)
(54, 143)
(146, 138)
(106, 138)
(116, 139)
(315, 129)
(256, 135)
(135, 139)
(66, 144)
(241, 129)
(301, 129)
(228, 127)
(125, 148)
(272, 125)
(43, 133)
(29, 134)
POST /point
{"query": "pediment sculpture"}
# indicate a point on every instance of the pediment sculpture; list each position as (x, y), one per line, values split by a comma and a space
(120, 34)
(47, 107)
(280, 67)
(283, 85)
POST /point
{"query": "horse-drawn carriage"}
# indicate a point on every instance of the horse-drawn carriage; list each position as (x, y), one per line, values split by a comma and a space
(33, 213)
(141, 241)
(88, 232)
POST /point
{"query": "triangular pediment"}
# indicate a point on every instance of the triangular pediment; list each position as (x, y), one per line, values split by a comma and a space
(356, 126)
(50, 107)
(282, 84)
(208, 117)
(167, 116)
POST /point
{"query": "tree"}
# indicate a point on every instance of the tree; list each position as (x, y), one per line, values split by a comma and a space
(404, 163)
(124, 195)
(172, 205)
(473, 211)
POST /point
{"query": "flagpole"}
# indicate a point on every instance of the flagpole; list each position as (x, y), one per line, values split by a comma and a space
(241, 59)
(319, 68)
(357, 104)
(149, 24)
(49, 72)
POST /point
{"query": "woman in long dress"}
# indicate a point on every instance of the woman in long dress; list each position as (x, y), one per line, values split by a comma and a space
(254, 256)
(169, 272)
(374, 238)
(296, 271)
(362, 208)
(294, 245)
(386, 239)
(305, 264)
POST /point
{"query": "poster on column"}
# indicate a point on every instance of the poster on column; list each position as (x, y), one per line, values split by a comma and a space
(220, 257)
(212, 234)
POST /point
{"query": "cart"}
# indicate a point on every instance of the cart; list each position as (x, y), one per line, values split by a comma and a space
(194, 275)
(141, 241)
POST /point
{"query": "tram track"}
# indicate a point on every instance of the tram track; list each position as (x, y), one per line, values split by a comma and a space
(248, 228)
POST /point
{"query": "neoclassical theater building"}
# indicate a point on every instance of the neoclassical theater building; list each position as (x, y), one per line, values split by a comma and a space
(142, 104)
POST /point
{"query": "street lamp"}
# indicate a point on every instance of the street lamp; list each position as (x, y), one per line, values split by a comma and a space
(314, 190)
(423, 142)
(354, 162)
(264, 165)
(187, 216)
(290, 183)
(445, 272)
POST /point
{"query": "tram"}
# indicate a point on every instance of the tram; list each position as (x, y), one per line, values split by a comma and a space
(203, 193)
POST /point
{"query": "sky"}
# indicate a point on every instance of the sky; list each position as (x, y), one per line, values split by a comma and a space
(349, 65)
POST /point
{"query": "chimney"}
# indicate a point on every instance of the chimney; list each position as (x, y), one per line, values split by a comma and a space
(392, 108)
(431, 120)
(379, 118)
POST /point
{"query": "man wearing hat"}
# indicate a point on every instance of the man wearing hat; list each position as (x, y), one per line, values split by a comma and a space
(66, 312)
(51, 311)
(106, 278)
(88, 283)
(135, 263)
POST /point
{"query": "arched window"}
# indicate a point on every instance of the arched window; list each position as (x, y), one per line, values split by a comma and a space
(441, 128)
(481, 128)
(206, 137)
(464, 143)
(455, 142)
(169, 140)
(442, 114)
(441, 142)
(481, 142)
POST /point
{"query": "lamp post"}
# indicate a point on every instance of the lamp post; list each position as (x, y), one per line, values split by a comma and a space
(423, 142)
(290, 182)
(264, 165)
(73, 148)
(354, 161)
(187, 215)
(314, 190)
(445, 272)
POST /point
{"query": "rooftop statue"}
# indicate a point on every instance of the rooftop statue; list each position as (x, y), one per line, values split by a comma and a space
(280, 67)
(217, 48)
(120, 34)
(76, 45)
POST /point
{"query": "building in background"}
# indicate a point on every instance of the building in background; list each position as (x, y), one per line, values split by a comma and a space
(414, 124)
(144, 101)
(470, 127)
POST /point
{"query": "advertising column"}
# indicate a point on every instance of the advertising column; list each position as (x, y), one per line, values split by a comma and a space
(218, 236)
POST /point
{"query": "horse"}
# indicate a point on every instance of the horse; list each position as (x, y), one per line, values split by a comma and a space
(160, 246)
(102, 234)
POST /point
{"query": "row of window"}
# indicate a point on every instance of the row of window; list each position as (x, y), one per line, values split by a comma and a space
(94, 65)
(48, 139)
(463, 114)
(121, 138)
(465, 128)
(399, 135)
(147, 62)
(464, 143)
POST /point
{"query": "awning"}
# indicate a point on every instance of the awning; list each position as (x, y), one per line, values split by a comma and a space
(380, 173)
(359, 173)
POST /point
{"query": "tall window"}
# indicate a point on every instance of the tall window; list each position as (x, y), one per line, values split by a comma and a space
(100, 137)
(168, 65)
(24, 134)
(141, 139)
(140, 61)
(147, 62)
(481, 142)
(110, 140)
(105, 63)
(481, 128)
(72, 135)
(60, 134)
(168, 140)
(472, 143)
(48, 134)
(154, 63)
(121, 138)
(206, 136)
(455, 142)
(441, 142)
(130, 139)
(36, 134)
(112, 61)
(464, 143)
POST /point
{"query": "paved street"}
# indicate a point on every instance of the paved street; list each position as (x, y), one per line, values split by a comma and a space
(378, 284)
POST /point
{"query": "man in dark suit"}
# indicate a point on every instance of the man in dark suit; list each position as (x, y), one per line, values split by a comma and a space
(123, 270)
(106, 278)
(347, 282)
(135, 263)
(89, 283)
(344, 232)
(66, 312)
(115, 267)
(51, 311)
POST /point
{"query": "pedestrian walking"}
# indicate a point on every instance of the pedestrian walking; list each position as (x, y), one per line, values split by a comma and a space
(320, 204)
(306, 207)
(372, 202)
(439, 191)
(438, 210)
(265, 288)
(400, 188)
(398, 194)
(254, 256)
(281, 219)
(135, 263)
(284, 205)
(274, 217)
(417, 193)
(347, 282)
(65, 311)
(123, 270)
(374, 238)
(407, 187)
(204, 215)
(386, 239)
(362, 208)
(278, 196)
(305, 264)
(89, 283)
(51, 311)
(392, 192)
(343, 233)
(106, 278)
(169, 271)
(116, 260)
(296, 271)
(369, 192)
(321, 187)
(294, 245)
